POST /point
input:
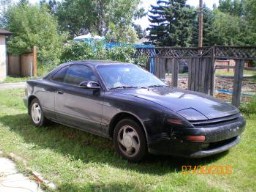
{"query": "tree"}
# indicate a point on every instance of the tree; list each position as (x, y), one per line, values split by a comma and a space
(34, 26)
(74, 17)
(209, 38)
(171, 23)
(121, 34)
(52, 5)
(140, 32)
(250, 14)
(95, 16)
(232, 7)
(231, 30)
(232, 24)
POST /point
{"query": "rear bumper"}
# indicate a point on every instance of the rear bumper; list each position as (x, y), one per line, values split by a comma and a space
(217, 139)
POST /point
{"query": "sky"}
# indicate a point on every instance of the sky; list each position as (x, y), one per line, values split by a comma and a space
(146, 4)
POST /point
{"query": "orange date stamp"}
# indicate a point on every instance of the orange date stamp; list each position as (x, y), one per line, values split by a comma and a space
(208, 169)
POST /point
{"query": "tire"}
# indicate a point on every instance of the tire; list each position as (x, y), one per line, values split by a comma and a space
(36, 113)
(129, 140)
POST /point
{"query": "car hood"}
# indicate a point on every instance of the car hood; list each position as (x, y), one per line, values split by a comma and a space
(187, 103)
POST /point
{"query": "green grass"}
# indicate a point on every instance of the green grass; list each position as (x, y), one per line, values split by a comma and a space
(10, 79)
(249, 107)
(78, 161)
(231, 73)
(42, 70)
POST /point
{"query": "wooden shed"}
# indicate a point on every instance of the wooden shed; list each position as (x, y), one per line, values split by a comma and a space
(3, 58)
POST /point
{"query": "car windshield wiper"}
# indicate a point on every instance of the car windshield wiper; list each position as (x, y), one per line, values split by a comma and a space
(123, 87)
(150, 86)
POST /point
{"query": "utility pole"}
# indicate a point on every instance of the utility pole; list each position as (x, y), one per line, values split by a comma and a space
(200, 21)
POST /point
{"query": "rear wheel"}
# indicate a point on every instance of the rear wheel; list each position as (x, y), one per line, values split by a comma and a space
(36, 113)
(129, 140)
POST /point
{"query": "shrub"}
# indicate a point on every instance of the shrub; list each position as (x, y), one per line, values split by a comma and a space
(249, 108)
(81, 51)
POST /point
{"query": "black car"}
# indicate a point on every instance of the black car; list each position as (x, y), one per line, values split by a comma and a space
(138, 111)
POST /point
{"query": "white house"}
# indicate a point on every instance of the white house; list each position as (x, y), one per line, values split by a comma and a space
(3, 58)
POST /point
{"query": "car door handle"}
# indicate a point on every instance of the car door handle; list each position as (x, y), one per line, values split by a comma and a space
(60, 92)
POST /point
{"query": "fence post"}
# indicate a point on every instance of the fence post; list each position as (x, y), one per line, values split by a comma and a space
(237, 84)
(212, 71)
(175, 69)
(35, 61)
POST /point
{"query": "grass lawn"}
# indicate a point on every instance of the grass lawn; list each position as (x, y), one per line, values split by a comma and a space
(78, 161)
(10, 79)
(219, 72)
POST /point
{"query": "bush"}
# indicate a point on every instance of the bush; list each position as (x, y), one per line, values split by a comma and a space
(249, 108)
(124, 54)
(81, 51)
(76, 51)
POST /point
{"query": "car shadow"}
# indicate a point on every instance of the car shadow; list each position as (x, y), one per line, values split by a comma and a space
(63, 140)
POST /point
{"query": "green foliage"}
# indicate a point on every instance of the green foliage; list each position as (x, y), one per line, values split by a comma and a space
(34, 26)
(250, 15)
(232, 7)
(121, 34)
(140, 32)
(81, 51)
(171, 23)
(50, 4)
(225, 24)
(209, 38)
(249, 108)
(124, 54)
(16, 79)
(176, 24)
(81, 16)
(232, 24)
(76, 51)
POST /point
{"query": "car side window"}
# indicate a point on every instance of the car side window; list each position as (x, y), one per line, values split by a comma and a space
(60, 75)
(79, 73)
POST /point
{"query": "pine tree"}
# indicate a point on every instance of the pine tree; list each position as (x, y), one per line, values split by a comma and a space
(171, 23)
(158, 28)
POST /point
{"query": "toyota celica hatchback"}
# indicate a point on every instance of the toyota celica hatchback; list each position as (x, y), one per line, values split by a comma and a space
(135, 109)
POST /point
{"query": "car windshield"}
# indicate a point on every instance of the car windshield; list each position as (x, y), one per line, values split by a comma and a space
(127, 76)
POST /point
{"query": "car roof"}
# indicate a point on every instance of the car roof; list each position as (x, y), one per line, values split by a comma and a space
(94, 63)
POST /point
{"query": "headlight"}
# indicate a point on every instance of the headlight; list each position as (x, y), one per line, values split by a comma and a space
(174, 121)
(192, 115)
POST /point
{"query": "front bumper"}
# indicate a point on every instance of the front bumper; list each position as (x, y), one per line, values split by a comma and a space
(218, 139)
(190, 149)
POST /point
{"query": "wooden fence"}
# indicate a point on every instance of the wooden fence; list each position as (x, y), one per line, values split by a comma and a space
(201, 67)
(23, 65)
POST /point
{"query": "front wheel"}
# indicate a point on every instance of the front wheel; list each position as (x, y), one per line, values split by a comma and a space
(129, 140)
(36, 113)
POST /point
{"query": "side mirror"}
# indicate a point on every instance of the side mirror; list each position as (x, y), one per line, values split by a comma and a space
(90, 85)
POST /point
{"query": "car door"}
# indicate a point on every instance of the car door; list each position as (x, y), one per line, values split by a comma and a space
(76, 106)
(46, 93)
